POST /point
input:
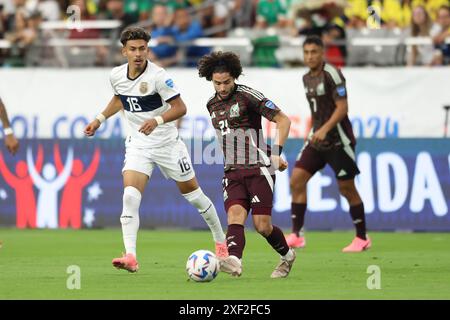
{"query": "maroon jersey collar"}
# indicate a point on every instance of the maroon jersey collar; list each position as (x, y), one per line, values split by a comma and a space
(321, 70)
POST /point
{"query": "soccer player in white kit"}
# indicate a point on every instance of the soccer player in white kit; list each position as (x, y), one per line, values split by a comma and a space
(151, 103)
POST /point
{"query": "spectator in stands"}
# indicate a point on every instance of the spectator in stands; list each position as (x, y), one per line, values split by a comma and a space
(271, 13)
(164, 53)
(116, 11)
(185, 30)
(26, 28)
(242, 13)
(223, 12)
(173, 5)
(432, 6)
(391, 13)
(420, 27)
(49, 10)
(440, 31)
(140, 9)
(84, 16)
(3, 21)
(335, 52)
(101, 51)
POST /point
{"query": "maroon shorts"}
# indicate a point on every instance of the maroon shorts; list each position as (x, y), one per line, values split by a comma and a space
(250, 188)
(341, 160)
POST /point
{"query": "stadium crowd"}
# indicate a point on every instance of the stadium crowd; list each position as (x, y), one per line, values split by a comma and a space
(174, 24)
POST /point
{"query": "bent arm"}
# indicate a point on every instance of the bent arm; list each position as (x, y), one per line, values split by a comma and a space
(338, 114)
(178, 109)
(283, 127)
(114, 106)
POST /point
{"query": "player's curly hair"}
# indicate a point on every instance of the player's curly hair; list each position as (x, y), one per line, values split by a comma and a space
(218, 62)
(134, 33)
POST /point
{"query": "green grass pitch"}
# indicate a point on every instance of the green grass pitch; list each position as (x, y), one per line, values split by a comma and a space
(33, 265)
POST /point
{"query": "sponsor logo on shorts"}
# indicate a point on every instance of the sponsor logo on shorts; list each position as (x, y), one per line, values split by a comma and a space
(255, 199)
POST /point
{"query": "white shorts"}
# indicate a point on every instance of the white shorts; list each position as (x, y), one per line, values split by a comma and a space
(173, 160)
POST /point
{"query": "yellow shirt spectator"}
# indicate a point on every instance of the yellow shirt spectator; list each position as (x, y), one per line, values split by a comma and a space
(357, 8)
(432, 6)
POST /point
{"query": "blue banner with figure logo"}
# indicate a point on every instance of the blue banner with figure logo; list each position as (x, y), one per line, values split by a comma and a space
(77, 183)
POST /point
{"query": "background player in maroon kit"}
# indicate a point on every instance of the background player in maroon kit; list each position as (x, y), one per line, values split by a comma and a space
(331, 141)
(250, 164)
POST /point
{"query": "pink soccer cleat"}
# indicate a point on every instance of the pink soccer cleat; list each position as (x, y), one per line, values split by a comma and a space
(127, 262)
(358, 245)
(221, 250)
(294, 241)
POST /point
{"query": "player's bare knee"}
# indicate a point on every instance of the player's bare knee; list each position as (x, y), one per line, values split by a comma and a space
(264, 229)
(236, 215)
(297, 187)
(298, 182)
(349, 192)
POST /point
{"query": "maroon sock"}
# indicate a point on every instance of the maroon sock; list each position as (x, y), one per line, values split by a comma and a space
(277, 241)
(236, 240)
(298, 216)
(359, 220)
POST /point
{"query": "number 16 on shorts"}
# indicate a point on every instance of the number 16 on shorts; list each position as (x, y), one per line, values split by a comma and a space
(184, 164)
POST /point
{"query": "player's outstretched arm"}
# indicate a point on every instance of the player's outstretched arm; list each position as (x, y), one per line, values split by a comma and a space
(283, 127)
(114, 106)
(11, 142)
(177, 110)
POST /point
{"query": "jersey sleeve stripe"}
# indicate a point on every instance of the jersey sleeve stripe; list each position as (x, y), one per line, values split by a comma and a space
(252, 92)
(173, 98)
(209, 100)
(333, 73)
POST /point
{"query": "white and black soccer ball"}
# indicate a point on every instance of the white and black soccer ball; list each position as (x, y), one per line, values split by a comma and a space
(202, 266)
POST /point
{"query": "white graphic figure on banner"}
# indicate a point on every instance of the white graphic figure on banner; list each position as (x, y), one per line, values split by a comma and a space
(49, 186)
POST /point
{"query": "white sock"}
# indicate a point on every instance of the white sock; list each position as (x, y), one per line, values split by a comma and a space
(130, 218)
(289, 255)
(207, 210)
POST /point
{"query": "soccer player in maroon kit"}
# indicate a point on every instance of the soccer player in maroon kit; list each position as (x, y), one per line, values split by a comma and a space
(250, 163)
(331, 141)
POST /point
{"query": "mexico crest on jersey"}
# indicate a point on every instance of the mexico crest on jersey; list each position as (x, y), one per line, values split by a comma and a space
(143, 87)
(320, 89)
(234, 111)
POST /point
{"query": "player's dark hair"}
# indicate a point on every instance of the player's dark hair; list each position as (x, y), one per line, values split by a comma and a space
(313, 40)
(134, 33)
(219, 62)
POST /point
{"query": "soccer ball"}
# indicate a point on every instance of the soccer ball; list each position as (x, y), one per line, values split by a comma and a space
(202, 266)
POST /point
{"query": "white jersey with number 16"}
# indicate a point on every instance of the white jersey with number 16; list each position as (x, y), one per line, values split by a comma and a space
(143, 98)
